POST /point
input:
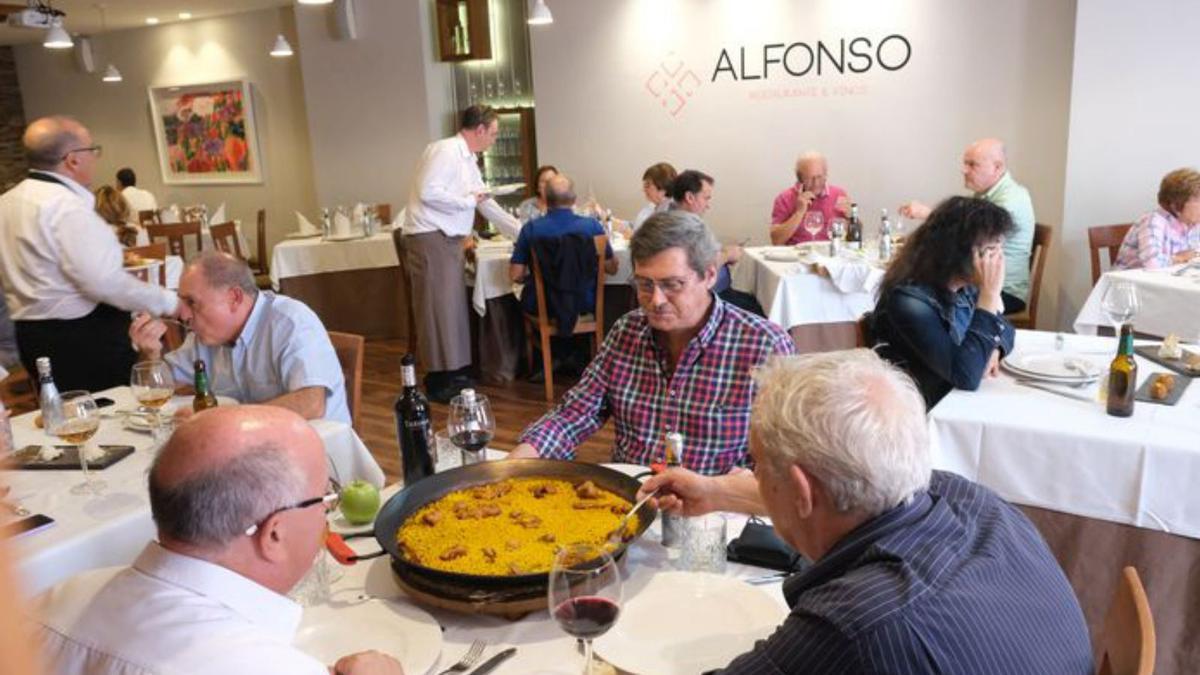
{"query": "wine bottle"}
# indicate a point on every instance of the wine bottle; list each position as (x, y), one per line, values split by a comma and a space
(414, 429)
(48, 396)
(1122, 376)
(854, 230)
(204, 399)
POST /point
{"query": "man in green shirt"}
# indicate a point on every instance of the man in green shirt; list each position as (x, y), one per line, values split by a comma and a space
(985, 172)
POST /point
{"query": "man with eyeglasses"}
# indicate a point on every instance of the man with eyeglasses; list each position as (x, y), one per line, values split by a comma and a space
(239, 497)
(681, 362)
(61, 265)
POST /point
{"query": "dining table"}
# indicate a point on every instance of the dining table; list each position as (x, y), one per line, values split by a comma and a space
(111, 528)
(1161, 294)
(1104, 491)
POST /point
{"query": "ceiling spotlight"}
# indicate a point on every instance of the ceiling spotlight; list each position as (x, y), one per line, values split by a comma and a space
(112, 74)
(56, 37)
(185, 15)
(152, 20)
(281, 47)
(540, 15)
(314, 2)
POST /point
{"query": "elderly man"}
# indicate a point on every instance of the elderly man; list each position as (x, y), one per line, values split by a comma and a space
(258, 347)
(811, 194)
(446, 192)
(681, 362)
(61, 265)
(915, 571)
(138, 199)
(239, 497)
(985, 172)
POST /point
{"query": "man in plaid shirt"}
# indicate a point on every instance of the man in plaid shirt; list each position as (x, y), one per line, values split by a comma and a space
(682, 362)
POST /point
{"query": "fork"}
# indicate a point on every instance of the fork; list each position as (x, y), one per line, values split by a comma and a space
(469, 659)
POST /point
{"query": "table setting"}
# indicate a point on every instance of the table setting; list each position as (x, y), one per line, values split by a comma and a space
(1160, 294)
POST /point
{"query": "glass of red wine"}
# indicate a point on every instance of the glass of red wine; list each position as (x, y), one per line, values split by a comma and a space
(471, 424)
(584, 593)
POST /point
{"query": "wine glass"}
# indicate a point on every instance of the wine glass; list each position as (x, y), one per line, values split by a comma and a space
(471, 424)
(584, 593)
(814, 222)
(1120, 304)
(76, 420)
(153, 385)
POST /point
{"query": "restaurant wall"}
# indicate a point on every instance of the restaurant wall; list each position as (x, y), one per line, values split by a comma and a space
(118, 114)
(625, 83)
(1134, 98)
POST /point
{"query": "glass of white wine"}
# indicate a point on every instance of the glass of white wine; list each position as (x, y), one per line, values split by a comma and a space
(77, 421)
(153, 385)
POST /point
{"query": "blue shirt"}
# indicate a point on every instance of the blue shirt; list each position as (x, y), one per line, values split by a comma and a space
(558, 222)
(282, 348)
(956, 581)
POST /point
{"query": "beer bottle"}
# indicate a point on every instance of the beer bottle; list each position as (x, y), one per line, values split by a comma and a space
(1122, 376)
(204, 399)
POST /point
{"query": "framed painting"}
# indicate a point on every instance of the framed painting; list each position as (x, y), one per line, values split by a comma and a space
(206, 133)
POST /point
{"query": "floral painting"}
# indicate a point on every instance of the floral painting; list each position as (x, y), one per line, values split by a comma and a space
(206, 133)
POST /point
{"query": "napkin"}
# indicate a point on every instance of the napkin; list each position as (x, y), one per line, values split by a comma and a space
(218, 216)
(341, 225)
(305, 226)
(850, 275)
(170, 214)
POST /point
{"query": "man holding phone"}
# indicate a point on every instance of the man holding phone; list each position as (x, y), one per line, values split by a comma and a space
(812, 193)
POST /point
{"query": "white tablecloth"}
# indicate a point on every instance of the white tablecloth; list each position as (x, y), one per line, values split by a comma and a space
(302, 257)
(174, 265)
(1042, 450)
(792, 294)
(112, 528)
(491, 278)
(1167, 303)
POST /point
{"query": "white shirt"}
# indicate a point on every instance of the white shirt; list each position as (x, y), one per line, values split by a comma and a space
(59, 259)
(442, 197)
(282, 348)
(139, 200)
(170, 614)
(648, 210)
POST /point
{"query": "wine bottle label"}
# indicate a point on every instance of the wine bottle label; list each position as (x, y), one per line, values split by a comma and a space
(408, 376)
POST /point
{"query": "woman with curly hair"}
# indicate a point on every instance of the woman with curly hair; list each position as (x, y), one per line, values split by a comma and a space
(113, 208)
(939, 315)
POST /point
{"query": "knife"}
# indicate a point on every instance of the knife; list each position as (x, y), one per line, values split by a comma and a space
(490, 665)
(1051, 390)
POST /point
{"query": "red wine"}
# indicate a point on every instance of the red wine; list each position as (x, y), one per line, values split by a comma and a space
(587, 616)
(413, 427)
(474, 440)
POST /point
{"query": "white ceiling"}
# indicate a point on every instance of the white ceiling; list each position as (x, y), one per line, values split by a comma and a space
(83, 16)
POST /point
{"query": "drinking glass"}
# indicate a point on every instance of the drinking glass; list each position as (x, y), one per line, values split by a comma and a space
(471, 425)
(448, 456)
(584, 593)
(814, 222)
(76, 420)
(704, 540)
(1120, 304)
(153, 385)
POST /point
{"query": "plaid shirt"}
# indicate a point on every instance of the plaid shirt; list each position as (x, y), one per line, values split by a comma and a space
(707, 398)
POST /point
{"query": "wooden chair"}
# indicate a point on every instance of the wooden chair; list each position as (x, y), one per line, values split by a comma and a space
(175, 233)
(862, 331)
(1105, 237)
(409, 309)
(1042, 236)
(540, 327)
(1128, 640)
(225, 239)
(350, 348)
(149, 217)
(18, 391)
(152, 252)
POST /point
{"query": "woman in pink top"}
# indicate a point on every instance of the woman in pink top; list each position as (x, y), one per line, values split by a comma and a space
(1170, 234)
(810, 194)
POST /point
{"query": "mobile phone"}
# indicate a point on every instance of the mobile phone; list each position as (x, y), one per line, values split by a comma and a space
(35, 523)
(103, 401)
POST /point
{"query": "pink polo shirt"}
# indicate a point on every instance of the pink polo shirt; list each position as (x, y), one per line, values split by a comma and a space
(785, 206)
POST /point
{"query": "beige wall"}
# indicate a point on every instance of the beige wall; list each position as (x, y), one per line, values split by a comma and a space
(118, 114)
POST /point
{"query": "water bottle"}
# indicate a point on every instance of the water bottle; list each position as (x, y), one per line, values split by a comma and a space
(885, 237)
(326, 224)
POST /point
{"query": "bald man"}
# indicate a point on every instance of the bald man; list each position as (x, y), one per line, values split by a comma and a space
(811, 194)
(60, 264)
(985, 173)
(239, 497)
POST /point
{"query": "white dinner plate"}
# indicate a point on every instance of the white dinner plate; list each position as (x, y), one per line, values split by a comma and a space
(142, 421)
(301, 235)
(781, 255)
(406, 632)
(1055, 365)
(723, 617)
(344, 237)
(506, 189)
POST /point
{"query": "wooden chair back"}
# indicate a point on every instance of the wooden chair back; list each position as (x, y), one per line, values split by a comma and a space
(260, 244)
(385, 213)
(152, 252)
(1128, 640)
(18, 391)
(175, 233)
(350, 349)
(1105, 237)
(1043, 235)
(225, 239)
(862, 331)
(406, 296)
(149, 217)
(543, 324)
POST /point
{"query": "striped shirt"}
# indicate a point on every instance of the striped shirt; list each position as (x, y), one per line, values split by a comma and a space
(1154, 241)
(957, 581)
(707, 398)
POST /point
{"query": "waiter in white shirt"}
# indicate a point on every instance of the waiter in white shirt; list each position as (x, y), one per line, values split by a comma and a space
(446, 191)
(69, 297)
(139, 199)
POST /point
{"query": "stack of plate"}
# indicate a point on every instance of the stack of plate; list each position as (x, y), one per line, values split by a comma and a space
(1053, 366)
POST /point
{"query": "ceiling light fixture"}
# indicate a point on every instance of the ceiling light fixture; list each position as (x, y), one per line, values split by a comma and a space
(56, 37)
(185, 15)
(281, 47)
(314, 2)
(540, 15)
(112, 74)
(152, 20)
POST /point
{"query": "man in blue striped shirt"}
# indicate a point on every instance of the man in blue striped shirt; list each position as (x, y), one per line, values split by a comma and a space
(916, 571)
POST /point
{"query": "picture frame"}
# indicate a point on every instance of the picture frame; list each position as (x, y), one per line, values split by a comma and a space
(206, 133)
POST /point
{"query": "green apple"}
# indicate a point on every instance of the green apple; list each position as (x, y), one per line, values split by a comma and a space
(360, 502)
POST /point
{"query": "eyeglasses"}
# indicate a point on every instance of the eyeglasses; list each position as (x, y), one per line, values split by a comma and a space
(331, 499)
(669, 286)
(96, 150)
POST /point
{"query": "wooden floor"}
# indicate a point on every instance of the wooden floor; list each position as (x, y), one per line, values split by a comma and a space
(515, 406)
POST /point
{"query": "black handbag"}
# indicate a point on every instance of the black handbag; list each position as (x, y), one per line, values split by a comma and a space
(758, 545)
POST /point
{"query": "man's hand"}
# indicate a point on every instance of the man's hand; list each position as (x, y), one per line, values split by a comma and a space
(524, 451)
(993, 366)
(803, 199)
(682, 491)
(989, 276)
(1184, 257)
(843, 205)
(731, 254)
(367, 663)
(146, 333)
(481, 197)
(915, 210)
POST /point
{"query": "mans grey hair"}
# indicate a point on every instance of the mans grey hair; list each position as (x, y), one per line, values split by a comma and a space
(676, 229)
(222, 270)
(214, 507)
(849, 419)
(560, 191)
(45, 151)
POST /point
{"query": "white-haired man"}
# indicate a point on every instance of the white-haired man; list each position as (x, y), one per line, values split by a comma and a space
(915, 571)
(812, 193)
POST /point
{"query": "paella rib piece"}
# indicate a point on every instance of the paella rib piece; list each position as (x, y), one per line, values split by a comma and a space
(585, 506)
(432, 518)
(453, 553)
(489, 553)
(540, 491)
(548, 538)
(489, 511)
(516, 570)
(588, 490)
(512, 545)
